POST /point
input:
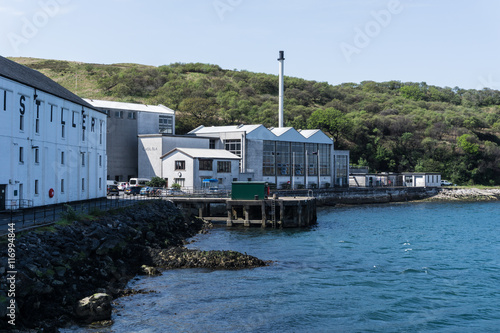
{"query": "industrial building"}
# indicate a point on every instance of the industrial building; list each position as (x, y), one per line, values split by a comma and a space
(282, 156)
(125, 122)
(53, 143)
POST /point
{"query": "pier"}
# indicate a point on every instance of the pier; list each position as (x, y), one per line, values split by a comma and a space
(286, 212)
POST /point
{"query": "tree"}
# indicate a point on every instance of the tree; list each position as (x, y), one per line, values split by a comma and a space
(157, 182)
(332, 121)
(465, 142)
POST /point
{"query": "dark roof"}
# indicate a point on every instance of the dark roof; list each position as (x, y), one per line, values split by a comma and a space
(30, 77)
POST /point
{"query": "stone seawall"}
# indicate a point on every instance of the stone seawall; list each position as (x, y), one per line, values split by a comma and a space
(336, 196)
(70, 273)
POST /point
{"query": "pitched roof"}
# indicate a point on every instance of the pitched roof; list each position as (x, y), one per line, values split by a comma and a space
(205, 153)
(30, 77)
(224, 129)
(129, 106)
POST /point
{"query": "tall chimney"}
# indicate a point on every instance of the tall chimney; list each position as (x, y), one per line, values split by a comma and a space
(281, 59)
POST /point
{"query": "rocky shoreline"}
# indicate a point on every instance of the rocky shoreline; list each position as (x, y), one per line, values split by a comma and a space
(466, 194)
(70, 273)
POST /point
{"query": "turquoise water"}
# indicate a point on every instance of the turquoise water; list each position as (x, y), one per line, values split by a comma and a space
(423, 267)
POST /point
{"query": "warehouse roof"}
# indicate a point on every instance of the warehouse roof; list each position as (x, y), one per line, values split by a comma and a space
(30, 77)
(205, 153)
(101, 104)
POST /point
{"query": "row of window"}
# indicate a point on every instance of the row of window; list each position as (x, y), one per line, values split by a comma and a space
(207, 165)
(40, 108)
(37, 157)
(287, 158)
(62, 187)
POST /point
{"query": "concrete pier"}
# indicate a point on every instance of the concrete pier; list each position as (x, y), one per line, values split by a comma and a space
(286, 212)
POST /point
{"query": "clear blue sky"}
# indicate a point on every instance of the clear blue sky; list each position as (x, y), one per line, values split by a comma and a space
(442, 42)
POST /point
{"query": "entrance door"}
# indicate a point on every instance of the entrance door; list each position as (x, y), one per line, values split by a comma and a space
(2, 196)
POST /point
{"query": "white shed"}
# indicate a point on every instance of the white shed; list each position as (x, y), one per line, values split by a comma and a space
(188, 167)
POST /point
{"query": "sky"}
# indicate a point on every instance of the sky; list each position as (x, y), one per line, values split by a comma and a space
(446, 43)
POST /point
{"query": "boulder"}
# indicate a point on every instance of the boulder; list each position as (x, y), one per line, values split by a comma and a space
(94, 308)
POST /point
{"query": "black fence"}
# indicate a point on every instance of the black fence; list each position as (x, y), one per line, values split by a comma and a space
(25, 215)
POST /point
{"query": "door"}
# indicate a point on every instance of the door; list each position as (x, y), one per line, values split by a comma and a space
(21, 190)
(2, 196)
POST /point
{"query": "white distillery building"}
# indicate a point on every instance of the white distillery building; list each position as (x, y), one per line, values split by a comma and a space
(188, 167)
(282, 156)
(126, 121)
(53, 142)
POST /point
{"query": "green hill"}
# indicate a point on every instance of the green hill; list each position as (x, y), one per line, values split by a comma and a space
(389, 126)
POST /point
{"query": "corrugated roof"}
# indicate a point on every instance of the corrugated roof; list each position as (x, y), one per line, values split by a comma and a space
(206, 153)
(30, 77)
(129, 106)
(308, 133)
(224, 129)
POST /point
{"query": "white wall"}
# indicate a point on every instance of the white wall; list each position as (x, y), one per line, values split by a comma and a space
(21, 177)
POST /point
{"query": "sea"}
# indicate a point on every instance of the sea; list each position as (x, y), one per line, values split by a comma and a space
(403, 267)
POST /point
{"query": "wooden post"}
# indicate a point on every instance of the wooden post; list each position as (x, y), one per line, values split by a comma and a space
(282, 213)
(246, 210)
(264, 216)
(229, 209)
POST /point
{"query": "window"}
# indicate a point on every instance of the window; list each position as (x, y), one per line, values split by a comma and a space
(325, 160)
(62, 185)
(83, 184)
(131, 115)
(36, 186)
(224, 166)
(100, 132)
(180, 165)
(268, 159)
(83, 158)
(119, 114)
(37, 119)
(212, 144)
(312, 159)
(62, 158)
(234, 146)
(37, 156)
(298, 159)
(206, 165)
(51, 113)
(180, 181)
(100, 160)
(283, 158)
(5, 100)
(21, 154)
(63, 124)
(166, 124)
(100, 183)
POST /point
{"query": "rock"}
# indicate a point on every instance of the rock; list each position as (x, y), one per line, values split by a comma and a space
(150, 270)
(94, 308)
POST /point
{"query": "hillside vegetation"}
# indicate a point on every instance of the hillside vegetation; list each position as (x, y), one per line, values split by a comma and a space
(389, 126)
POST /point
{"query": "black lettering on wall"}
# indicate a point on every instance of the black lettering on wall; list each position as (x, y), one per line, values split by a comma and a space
(22, 110)
(37, 102)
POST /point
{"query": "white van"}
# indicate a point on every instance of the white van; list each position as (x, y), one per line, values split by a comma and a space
(133, 182)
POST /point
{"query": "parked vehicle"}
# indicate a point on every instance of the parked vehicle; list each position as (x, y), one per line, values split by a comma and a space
(113, 190)
(138, 182)
(145, 190)
(111, 182)
(134, 190)
(446, 183)
(122, 186)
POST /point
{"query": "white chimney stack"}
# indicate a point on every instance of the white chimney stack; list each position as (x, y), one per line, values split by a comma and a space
(281, 59)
